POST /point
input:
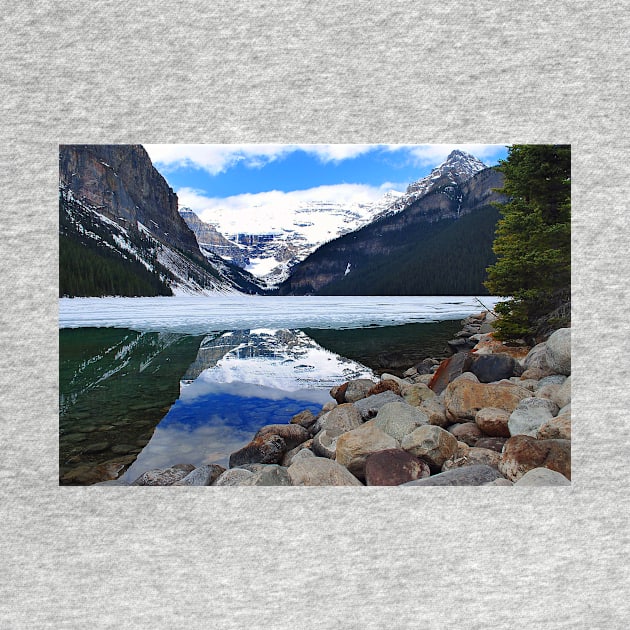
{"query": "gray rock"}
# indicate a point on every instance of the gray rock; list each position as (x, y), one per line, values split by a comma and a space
(289, 455)
(552, 379)
(305, 419)
(432, 444)
(537, 358)
(325, 445)
(477, 475)
(304, 453)
(563, 395)
(320, 471)
(499, 482)
(269, 475)
(398, 419)
(489, 368)
(233, 477)
(467, 432)
(435, 411)
(343, 418)
(530, 415)
(358, 389)
(559, 351)
(201, 476)
(543, 477)
(369, 407)
(163, 477)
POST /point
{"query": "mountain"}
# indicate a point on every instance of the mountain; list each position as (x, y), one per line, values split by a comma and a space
(121, 232)
(435, 239)
(268, 241)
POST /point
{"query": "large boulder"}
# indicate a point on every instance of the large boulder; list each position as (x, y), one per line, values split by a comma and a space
(292, 434)
(558, 352)
(398, 419)
(368, 407)
(354, 447)
(416, 393)
(493, 422)
(432, 444)
(289, 455)
(522, 453)
(320, 471)
(464, 398)
(393, 467)
(202, 476)
(265, 449)
(477, 475)
(163, 477)
(542, 477)
(493, 367)
(530, 415)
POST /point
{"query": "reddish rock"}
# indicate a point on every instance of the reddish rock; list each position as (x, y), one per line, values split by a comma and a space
(449, 370)
(493, 421)
(523, 452)
(339, 393)
(384, 386)
(473, 457)
(267, 449)
(464, 398)
(354, 447)
(292, 434)
(305, 419)
(493, 443)
(393, 467)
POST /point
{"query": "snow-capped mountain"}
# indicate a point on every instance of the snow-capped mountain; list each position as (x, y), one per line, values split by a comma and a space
(268, 242)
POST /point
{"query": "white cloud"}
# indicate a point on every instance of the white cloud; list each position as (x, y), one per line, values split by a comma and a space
(217, 158)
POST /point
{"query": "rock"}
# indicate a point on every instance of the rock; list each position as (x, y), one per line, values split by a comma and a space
(343, 418)
(493, 367)
(384, 386)
(542, 477)
(463, 399)
(435, 411)
(292, 434)
(97, 447)
(530, 415)
(202, 476)
(354, 447)
(416, 393)
(449, 370)
(549, 391)
(268, 449)
(325, 445)
(558, 428)
(493, 443)
(393, 467)
(398, 419)
(473, 457)
(477, 475)
(499, 481)
(165, 477)
(432, 444)
(563, 395)
(368, 407)
(289, 455)
(339, 393)
(493, 421)
(535, 364)
(392, 377)
(305, 419)
(233, 477)
(459, 345)
(301, 454)
(553, 379)
(269, 475)
(320, 471)
(522, 453)
(467, 432)
(466, 376)
(558, 353)
(527, 383)
(358, 389)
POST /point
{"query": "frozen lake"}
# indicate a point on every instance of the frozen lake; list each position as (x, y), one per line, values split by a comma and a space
(197, 315)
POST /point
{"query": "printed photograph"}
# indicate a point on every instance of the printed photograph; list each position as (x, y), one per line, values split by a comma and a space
(315, 315)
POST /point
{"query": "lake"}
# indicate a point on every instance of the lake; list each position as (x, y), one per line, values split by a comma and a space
(151, 382)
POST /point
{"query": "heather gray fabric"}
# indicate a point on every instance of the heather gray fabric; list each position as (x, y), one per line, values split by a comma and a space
(352, 72)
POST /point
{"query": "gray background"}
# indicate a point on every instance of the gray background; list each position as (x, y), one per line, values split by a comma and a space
(221, 72)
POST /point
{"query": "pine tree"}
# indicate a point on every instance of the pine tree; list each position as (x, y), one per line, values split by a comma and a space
(533, 241)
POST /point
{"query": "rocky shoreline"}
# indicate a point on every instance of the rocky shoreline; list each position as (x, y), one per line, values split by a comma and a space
(491, 414)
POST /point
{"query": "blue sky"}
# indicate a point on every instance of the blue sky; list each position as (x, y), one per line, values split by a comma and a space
(233, 176)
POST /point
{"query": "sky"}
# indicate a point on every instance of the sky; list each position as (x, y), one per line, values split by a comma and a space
(236, 177)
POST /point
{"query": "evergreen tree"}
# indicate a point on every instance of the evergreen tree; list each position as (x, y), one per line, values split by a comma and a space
(533, 241)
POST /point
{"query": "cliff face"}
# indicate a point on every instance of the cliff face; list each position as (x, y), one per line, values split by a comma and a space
(120, 182)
